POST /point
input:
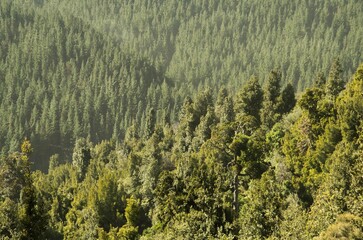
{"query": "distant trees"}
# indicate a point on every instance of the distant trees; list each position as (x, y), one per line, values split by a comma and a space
(67, 73)
(210, 176)
(101, 91)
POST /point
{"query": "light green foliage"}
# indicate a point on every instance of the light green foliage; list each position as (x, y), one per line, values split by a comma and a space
(293, 221)
(9, 220)
(104, 152)
(81, 224)
(21, 212)
(223, 164)
(129, 231)
(262, 206)
(93, 69)
(53, 162)
(132, 211)
(355, 192)
(347, 226)
(330, 197)
(350, 107)
(192, 225)
(108, 202)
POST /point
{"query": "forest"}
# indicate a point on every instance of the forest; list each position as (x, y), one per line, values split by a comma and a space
(193, 119)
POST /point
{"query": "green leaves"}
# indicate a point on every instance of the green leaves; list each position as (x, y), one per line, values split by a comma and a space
(240, 166)
(346, 226)
(81, 157)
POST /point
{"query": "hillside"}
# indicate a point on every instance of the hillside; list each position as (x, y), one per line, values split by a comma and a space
(230, 170)
(213, 119)
(92, 69)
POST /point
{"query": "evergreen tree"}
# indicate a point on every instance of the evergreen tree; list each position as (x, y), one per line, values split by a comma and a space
(150, 123)
(287, 99)
(269, 112)
(224, 107)
(249, 99)
(335, 84)
(81, 157)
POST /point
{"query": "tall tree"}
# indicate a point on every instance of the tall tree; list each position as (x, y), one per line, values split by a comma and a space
(335, 83)
(150, 123)
(81, 157)
(269, 111)
(249, 99)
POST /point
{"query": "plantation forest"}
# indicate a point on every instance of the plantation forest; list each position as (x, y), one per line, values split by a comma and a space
(189, 119)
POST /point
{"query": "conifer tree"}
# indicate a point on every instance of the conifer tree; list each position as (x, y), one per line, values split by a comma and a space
(249, 99)
(224, 107)
(150, 123)
(335, 83)
(287, 99)
(81, 157)
(269, 111)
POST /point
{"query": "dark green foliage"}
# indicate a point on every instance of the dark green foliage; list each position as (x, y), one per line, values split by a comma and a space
(287, 99)
(209, 177)
(94, 69)
(335, 83)
(272, 88)
(81, 157)
(270, 111)
(224, 107)
(150, 123)
(309, 102)
(249, 100)
(320, 81)
(100, 88)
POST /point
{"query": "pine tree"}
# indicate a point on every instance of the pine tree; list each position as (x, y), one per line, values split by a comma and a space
(150, 123)
(249, 99)
(224, 107)
(335, 84)
(269, 112)
(81, 157)
(287, 99)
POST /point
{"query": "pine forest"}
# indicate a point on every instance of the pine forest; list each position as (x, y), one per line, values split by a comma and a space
(181, 119)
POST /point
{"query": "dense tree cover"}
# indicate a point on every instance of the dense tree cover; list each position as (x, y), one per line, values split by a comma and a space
(224, 41)
(220, 173)
(62, 80)
(163, 119)
(93, 69)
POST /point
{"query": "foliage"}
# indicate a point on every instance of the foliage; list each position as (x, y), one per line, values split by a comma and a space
(139, 119)
(208, 177)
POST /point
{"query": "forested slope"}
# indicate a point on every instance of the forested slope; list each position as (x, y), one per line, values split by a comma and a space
(213, 119)
(94, 68)
(61, 80)
(229, 170)
(214, 42)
